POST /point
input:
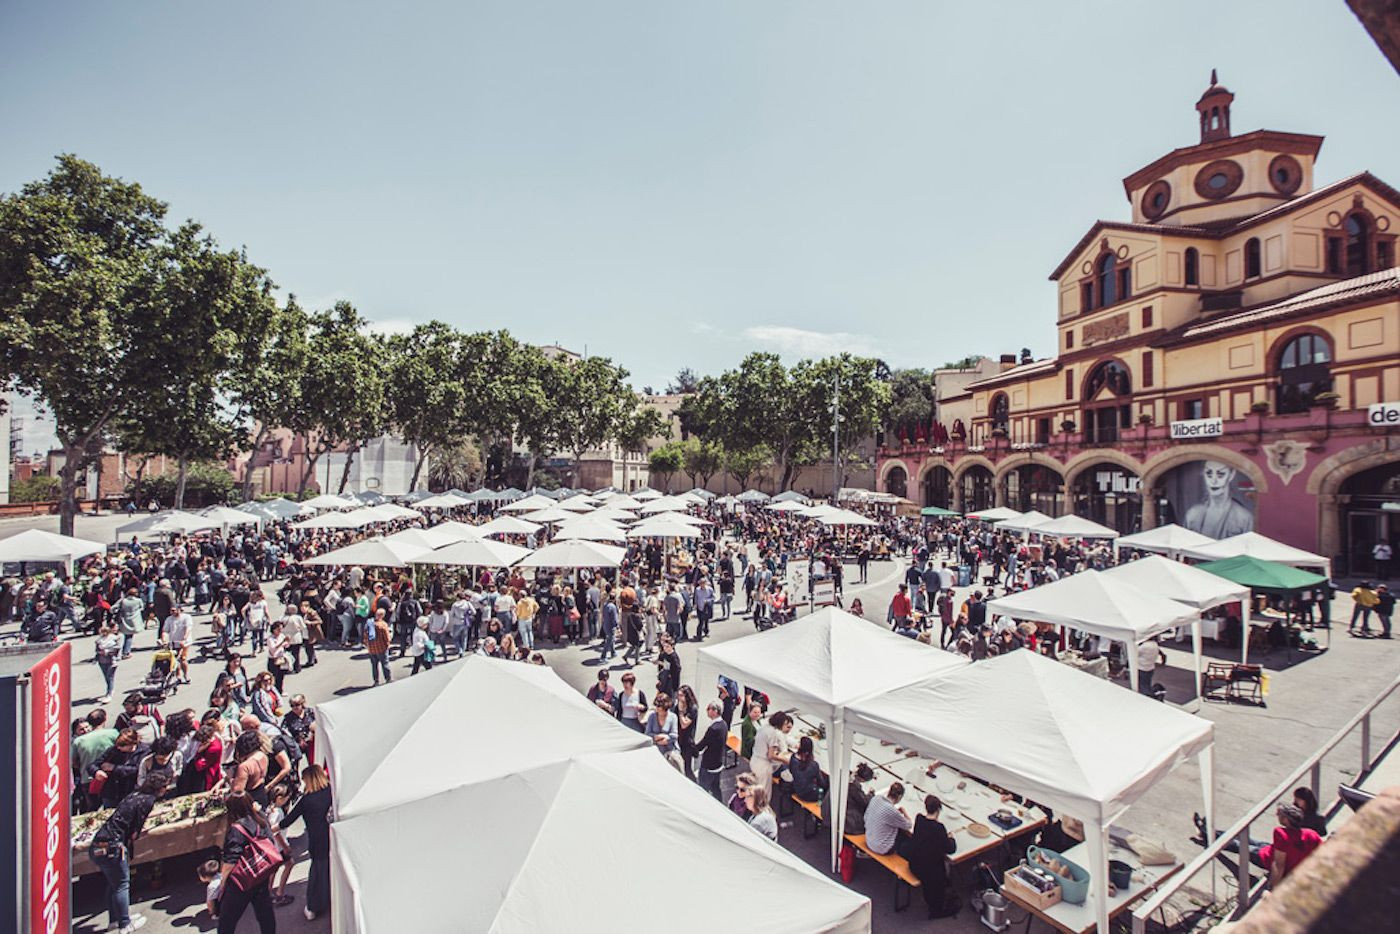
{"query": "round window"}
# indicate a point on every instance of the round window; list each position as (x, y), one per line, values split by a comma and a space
(1159, 201)
(1281, 176)
(1218, 181)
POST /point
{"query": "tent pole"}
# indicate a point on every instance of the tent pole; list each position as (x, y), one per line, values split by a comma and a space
(1096, 835)
(1247, 613)
(1196, 655)
(836, 792)
(1133, 646)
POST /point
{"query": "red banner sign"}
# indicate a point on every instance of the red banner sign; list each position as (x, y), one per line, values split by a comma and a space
(50, 788)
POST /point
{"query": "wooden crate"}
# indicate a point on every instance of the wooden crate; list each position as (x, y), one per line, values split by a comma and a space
(1037, 899)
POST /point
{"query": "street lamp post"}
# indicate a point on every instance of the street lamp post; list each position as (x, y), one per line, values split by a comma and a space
(835, 439)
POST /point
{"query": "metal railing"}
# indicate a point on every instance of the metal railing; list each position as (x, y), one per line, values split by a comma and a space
(1239, 833)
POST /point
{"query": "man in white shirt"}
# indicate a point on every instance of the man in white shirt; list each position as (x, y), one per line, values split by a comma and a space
(178, 633)
(294, 628)
(1148, 653)
(457, 614)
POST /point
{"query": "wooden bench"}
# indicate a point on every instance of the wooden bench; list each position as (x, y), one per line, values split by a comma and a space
(812, 818)
(896, 864)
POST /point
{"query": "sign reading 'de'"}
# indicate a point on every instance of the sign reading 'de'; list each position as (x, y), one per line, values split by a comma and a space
(1383, 415)
(1197, 428)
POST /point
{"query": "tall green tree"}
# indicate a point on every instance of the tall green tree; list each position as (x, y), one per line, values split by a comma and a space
(860, 404)
(215, 301)
(911, 400)
(744, 463)
(341, 391)
(591, 405)
(425, 393)
(75, 249)
(703, 459)
(639, 426)
(266, 384)
(665, 461)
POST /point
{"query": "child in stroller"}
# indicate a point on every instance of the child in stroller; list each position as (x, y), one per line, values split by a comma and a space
(162, 680)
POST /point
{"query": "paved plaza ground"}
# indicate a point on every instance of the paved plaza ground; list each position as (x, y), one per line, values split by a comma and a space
(1311, 696)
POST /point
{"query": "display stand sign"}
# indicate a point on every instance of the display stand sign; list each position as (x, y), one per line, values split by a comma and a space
(824, 592)
(35, 694)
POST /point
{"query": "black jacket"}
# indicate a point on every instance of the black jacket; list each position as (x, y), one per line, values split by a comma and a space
(712, 745)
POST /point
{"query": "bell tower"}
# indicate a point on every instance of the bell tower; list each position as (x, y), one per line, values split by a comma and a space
(1214, 109)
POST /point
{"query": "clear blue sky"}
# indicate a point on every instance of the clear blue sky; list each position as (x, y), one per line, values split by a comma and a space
(673, 184)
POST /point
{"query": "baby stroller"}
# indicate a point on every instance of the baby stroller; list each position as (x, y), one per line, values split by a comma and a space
(161, 681)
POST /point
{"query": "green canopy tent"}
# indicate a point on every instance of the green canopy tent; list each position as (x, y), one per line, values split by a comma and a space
(1262, 576)
(937, 512)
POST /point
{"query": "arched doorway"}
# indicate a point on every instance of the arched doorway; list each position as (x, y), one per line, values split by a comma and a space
(975, 489)
(1110, 495)
(1370, 514)
(1208, 496)
(1034, 486)
(897, 481)
(938, 487)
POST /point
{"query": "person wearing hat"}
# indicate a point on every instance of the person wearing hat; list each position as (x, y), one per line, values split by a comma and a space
(1363, 602)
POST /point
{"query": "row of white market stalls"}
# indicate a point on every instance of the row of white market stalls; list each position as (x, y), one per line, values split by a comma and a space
(446, 820)
(1053, 734)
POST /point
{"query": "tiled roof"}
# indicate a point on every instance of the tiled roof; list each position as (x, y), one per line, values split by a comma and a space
(1349, 291)
(1015, 373)
(1218, 230)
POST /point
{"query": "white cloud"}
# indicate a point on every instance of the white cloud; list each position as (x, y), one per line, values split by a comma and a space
(798, 342)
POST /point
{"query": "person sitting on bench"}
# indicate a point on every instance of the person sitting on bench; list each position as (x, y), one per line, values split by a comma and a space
(886, 822)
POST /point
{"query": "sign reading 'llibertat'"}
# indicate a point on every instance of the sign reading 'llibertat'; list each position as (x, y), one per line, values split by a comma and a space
(1383, 415)
(1197, 428)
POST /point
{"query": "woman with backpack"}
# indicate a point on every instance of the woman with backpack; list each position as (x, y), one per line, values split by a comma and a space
(248, 861)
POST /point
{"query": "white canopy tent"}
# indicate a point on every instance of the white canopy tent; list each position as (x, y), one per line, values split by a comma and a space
(752, 496)
(474, 553)
(391, 511)
(663, 527)
(1059, 736)
(423, 538)
(1261, 547)
(996, 514)
(578, 503)
(226, 517)
(460, 531)
(594, 529)
(538, 867)
(541, 799)
(1179, 582)
(549, 515)
(529, 504)
(278, 507)
(508, 525)
(844, 517)
(443, 501)
(1072, 526)
(609, 514)
(574, 553)
(665, 504)
(173, 522)
(622, 501)
(1170, 540)
(1024, 522)
(646, 493)
(387, 748)
(786, 505)
(1092, 601)
(329, 501)
(330, 520)
(791, 496)
(373, 552)
(47, 547)
(820, 665)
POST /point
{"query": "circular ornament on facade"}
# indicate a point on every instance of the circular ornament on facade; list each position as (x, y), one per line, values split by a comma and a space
(1334, 219)
(1122, 251)
(1285, 174)
(1156, 199)
(1088, 267)
(1219, 179)
(1382, 223)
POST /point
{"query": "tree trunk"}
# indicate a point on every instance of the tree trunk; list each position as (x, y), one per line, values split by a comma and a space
(530, 471)
(421, 458)
(248, 467)
(345, 474)
(307, 475)
(181, 474)
(68, 491)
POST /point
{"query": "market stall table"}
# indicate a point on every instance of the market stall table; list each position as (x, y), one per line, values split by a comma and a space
(1079, 919)
(176, 826)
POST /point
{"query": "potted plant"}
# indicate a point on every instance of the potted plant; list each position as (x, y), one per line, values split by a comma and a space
(999, 431)
(1260, 408)
(1145, 419)
(1067, 426)
(1326, 400)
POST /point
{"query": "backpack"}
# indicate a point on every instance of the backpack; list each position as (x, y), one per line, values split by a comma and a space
(259, 861)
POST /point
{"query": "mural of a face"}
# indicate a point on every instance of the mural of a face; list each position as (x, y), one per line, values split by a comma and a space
(1217, 477)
